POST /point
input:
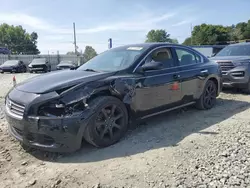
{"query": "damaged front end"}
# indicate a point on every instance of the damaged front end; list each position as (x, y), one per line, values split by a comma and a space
(68, 102)
(59, 109)
(54, 121)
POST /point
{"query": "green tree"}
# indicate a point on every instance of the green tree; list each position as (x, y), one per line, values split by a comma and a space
(242, 28)
(246, 33)
(210, 34)
(175, 41)
(89, 53)
(18, 40)
(158, 36)
(187, 41)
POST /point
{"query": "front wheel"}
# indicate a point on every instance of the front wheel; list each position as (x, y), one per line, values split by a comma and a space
(109, 122)
(247, 89)
(208, 97)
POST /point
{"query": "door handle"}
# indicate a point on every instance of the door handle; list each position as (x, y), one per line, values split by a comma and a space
(204, 71)
(176, 76)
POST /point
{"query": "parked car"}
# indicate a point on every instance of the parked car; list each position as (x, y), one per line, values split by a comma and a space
(66, 65)
(234, 61)
(39, 64)
(99, 99)
(4, 50)
(13, 66)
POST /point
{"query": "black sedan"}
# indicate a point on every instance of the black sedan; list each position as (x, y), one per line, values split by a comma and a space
(16, 66)
(97, 101)
(39, 65)
(66, 65)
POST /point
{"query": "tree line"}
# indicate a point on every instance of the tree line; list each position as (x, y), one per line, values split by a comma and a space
(19, 41)
(208, 34)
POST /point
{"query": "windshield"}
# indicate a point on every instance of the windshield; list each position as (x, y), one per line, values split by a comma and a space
(66, 63)
(34, 61)
(11, 62)
(238, 50)
(113, 60)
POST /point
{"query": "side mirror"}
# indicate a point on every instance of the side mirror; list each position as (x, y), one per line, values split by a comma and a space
(153, 65)
(213, 54)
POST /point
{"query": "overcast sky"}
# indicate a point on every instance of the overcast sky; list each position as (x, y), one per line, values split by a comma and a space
(126, 21)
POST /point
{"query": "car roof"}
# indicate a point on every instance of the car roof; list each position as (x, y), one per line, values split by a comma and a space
(241, 44)
(151, 44)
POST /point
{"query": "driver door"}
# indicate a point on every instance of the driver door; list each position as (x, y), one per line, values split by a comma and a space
(156, 92)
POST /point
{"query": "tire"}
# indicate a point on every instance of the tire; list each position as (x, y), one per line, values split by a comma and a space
(209, 94)
(100, 126)
(247, 89)
(46, 69)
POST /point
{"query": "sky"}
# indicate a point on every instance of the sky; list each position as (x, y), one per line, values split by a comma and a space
(125, 21)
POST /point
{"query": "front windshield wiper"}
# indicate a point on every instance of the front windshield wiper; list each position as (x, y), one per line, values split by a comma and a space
(90, 70)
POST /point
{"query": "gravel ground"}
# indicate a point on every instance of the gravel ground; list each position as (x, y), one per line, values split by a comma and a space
(184, 148)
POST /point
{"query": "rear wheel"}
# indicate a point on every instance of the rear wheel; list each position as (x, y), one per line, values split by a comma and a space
(109, 123)
(208, 97)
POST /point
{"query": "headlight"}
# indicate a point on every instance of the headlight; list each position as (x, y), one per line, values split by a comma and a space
(242, 62)
(30, 66)
(58, 109)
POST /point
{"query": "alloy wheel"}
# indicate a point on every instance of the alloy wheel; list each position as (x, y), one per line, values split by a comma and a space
(210, 95)
(109, 122)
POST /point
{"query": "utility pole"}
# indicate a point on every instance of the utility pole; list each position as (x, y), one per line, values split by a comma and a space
(110, 43)
(191, 34)
(75, 37)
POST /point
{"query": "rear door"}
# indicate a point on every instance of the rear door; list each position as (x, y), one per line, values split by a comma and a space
(192, 73)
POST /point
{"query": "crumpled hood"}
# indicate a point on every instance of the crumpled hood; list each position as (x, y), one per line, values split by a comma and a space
(230, 58)
(58, 80)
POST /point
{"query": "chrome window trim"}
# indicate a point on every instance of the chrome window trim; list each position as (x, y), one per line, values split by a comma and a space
(162, 74)
(167, 46)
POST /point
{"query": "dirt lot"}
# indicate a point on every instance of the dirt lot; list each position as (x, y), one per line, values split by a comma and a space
(184, 148)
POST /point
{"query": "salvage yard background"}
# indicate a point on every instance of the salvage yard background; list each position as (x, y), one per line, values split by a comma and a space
(183, 148)
(53, 59)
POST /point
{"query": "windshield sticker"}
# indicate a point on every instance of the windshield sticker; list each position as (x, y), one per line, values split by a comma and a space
(135, 48)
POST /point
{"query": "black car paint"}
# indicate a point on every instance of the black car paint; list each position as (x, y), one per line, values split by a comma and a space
(144, 94)
(19, 67)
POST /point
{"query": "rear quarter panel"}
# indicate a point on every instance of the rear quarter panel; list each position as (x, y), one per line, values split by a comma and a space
(214, 73)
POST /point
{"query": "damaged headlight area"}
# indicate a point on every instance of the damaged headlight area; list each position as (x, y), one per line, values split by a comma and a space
(59, 109)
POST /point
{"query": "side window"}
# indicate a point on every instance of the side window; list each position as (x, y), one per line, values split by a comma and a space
(162, 55)
(185, 57)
